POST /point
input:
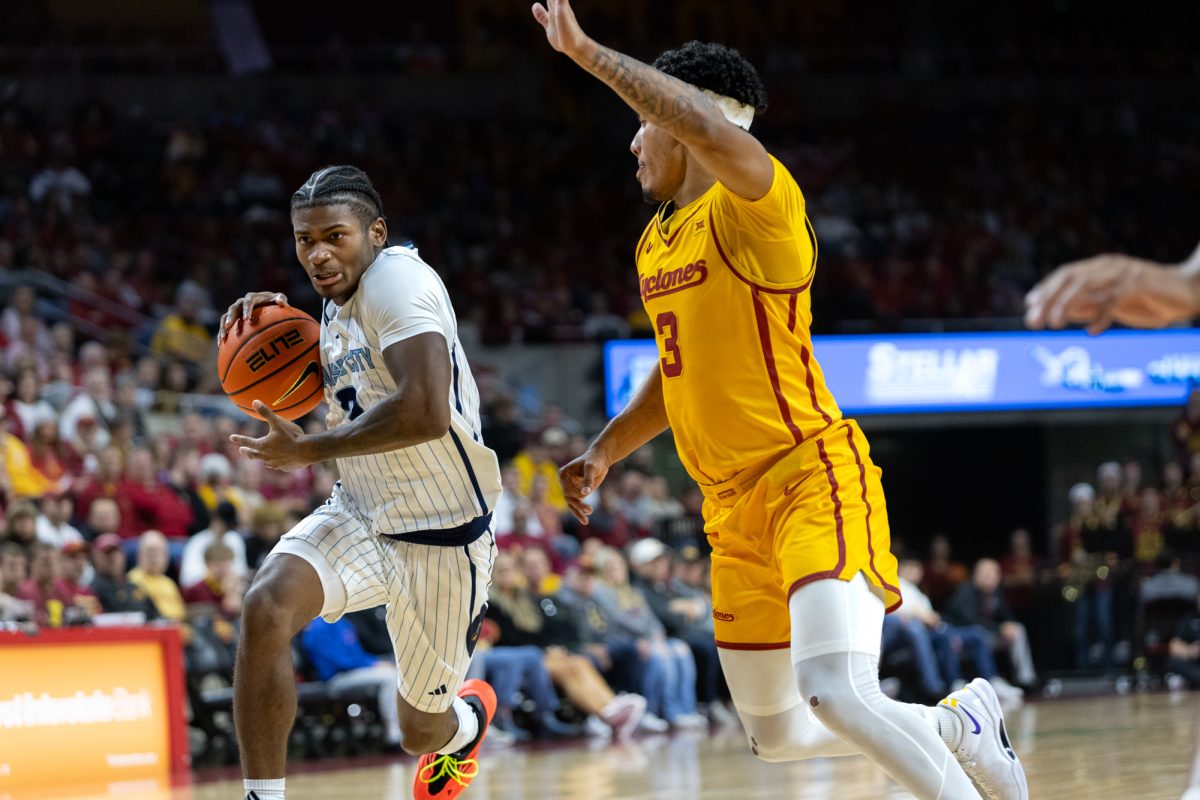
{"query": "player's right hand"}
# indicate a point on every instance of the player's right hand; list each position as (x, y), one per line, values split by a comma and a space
(562, 29)
(580, 478)
(240, 309)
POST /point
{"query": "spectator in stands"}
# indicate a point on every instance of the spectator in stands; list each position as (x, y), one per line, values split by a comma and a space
(1019, 568)
(222, 527)
(216, 482)
(339, 659)
(17, 463)
(1185, 651)
(49, 456)
(105, 482)
(510, 499)
(77, 576)
(1146, 526)
(1170, 582)
(151, 577)
(981, 602)
(93, 405)
(686, 615)
(112, 586)
(14, 570)
(152, 504)
(21, 525)
(103, 517)
(656, 504)
(1100, 540)
(183, 475)
(502, 432)
(1186, 430)
(221, 587)
(28, 405)
(536, 459)
(22, 306)
(1110, 499)
(671, 668)
(54, 523)
(521, 620)
(548, 518)
(59, 182)
(607, 523)
(943, 576)
(685, 529)
(266, 527)
(180, 334)
(43, 589)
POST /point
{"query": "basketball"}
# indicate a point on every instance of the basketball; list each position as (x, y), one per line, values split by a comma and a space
(273, 357)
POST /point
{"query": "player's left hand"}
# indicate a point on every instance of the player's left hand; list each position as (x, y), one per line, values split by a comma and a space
(562, 29)
(283, 446)
(1105, 289)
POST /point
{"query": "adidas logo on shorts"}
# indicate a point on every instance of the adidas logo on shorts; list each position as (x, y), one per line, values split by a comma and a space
(438, 691)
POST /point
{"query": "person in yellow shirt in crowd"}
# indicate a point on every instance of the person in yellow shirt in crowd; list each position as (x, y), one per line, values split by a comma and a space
(543, 456)
(181, 335)
(151, 577)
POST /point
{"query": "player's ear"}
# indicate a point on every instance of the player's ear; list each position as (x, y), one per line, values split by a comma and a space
(377, 230)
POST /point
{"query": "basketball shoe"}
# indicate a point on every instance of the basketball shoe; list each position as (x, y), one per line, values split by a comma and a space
(984, 750)
(445, 776)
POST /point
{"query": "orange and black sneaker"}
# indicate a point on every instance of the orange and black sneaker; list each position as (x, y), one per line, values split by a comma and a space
(445, 777)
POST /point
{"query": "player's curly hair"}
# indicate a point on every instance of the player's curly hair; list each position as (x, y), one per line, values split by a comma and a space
(717, 68)
(341, 185)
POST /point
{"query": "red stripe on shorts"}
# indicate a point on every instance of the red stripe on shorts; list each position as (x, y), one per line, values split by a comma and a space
(837, 517)
(862, 479)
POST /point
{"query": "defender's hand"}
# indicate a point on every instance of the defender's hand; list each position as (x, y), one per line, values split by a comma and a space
(562, 29)
(240, 309)
(580, 478)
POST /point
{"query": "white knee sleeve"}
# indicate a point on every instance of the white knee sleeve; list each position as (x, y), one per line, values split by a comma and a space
(833, 616)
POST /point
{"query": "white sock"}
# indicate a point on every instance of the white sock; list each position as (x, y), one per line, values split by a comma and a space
(468, 727)
(264, 790)
(947, 724)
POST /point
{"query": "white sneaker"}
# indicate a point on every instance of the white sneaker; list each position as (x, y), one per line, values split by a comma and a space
(623, 714)
(984, 751)
(689, 722)
(652, 723)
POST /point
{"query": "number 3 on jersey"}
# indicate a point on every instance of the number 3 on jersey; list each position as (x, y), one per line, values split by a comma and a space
(668, 326)
(348, 399)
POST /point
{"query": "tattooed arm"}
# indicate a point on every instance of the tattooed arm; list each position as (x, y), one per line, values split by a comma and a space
(732, 155)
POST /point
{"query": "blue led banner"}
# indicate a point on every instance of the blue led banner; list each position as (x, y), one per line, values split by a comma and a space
(929, 373)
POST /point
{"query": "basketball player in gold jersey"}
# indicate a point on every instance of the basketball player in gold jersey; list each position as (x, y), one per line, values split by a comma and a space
(802, 573)
(1112, 288)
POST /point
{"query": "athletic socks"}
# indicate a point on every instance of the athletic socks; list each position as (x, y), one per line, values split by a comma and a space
(468, 727)
(264, 790)
(948, 726)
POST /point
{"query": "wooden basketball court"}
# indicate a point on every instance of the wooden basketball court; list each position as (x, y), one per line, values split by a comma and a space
(1104, 748)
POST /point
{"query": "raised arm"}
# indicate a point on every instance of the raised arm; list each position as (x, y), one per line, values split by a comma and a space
(1116, 288)
(644, 418)
(731, 154)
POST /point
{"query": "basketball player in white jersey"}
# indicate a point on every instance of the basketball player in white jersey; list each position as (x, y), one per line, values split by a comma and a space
(1110, 288)
(409, 522)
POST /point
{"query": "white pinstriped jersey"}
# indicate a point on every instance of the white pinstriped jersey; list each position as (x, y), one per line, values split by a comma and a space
(430, 486)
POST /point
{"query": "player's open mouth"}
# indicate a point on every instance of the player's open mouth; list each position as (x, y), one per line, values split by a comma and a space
(326, 278)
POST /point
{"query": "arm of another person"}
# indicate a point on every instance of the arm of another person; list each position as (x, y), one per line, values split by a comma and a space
(1116, 288)
(644, 418)
(735, 157)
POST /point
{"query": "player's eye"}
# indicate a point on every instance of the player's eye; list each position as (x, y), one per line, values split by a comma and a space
(302, 240)
(336, 235)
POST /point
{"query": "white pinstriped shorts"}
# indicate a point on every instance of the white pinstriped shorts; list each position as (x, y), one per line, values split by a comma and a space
(435, 595)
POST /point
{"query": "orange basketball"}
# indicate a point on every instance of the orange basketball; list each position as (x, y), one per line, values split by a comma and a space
(273, 357)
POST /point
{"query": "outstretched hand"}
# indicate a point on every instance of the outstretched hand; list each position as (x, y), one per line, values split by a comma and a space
(281, 449)
(1109, 288)
(562, 29)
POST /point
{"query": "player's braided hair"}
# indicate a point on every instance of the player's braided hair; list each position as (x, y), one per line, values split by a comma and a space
(341, 185)
(717, 68)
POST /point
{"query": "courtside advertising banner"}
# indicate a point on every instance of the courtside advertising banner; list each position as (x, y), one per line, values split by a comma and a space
(96, 713)
(964, 372)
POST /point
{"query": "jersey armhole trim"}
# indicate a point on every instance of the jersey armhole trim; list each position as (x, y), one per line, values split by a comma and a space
(712, 227)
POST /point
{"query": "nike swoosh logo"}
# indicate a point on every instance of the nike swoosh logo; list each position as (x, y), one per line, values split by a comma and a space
(313, 368)
(971, 717)
(787, 492)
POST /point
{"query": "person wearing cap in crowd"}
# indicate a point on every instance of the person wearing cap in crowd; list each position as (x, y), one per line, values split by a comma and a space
(150, 576)
(685, 613)
(112, 586)
(222, 527)
(54, 523)
(216, 482)
(78, 574)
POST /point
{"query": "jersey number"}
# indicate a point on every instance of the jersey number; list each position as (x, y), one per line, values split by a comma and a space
(348, 399)
(672, 363)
